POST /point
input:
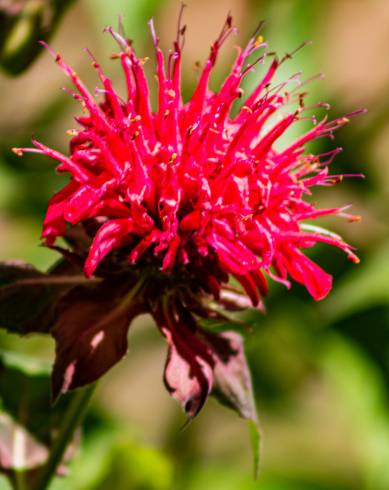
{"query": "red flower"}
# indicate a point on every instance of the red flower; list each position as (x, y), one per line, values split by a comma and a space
(180, 199)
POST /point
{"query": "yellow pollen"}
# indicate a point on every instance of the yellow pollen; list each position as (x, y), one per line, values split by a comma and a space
(259, 41)
(173, 158)
(17, 152)
(247, 217)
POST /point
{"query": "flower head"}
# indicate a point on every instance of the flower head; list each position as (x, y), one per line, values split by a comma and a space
(167, 205)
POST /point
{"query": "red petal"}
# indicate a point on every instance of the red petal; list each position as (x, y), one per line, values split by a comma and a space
(306, 272)
(109, 236)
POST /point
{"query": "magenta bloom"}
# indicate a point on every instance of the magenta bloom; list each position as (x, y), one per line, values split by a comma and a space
(180, 200)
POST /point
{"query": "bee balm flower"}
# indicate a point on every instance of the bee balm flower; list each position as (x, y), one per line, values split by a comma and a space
(166, 206)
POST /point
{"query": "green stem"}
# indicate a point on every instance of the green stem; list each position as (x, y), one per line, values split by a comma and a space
(71, 421)
(20, 480)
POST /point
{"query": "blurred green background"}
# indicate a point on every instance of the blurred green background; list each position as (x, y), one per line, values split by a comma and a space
(321, 370)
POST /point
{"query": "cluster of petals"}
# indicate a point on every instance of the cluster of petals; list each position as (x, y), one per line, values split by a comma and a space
(189, 183)
(182, 211)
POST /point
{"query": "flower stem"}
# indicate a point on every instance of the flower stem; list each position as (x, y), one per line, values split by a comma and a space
(72, 419)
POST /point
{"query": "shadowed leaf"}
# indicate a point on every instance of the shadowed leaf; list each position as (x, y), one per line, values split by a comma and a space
(232, 383)
(90, 333)
(28, 297)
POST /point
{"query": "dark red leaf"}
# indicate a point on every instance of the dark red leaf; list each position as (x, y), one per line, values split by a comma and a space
(90, 334)
(28, 297)
(232, 379)
(17, 270)
(188, 370)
